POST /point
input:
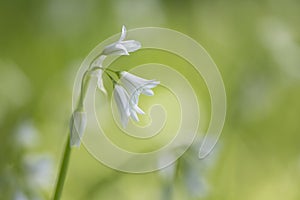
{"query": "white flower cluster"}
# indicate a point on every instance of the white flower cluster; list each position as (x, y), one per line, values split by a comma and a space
(127, 88)
(127, 94)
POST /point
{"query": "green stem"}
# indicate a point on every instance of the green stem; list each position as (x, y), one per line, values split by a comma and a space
(63, 170)
(83, 90)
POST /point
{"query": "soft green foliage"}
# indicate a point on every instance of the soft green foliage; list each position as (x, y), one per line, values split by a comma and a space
(255, 44)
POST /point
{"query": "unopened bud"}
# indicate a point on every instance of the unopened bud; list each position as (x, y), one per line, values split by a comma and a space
(77, 127)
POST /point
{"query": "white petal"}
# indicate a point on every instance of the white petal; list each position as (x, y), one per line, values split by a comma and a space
(121, 50)
(122, 101)
(77, 127)
(109, 49)
(101, 86)
(122, 47)
(115, 49)
(131, 45)
(134, 86)
(134, 115)
(134, 80)
(121, 92)
(129, 86)
(152, 84)
(123, 34)
(138, 109)
(148, 92)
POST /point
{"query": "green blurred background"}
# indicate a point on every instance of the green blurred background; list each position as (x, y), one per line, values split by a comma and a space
(256, 45)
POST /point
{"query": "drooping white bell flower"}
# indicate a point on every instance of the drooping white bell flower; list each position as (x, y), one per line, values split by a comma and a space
(125, 107)
(122, 47)
(133, 86)
(77, 127)
(97, 66)
(136, 85)
(122, 100)
(100, 84)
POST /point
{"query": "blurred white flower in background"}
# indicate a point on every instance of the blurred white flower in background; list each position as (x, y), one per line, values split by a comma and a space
(32, 177)
(39, 170)
(26, 134)
(193, 177)
(167, 173)
(281, 41)
(36, 177)
(15, 88)
(19, 195)
(188, 169)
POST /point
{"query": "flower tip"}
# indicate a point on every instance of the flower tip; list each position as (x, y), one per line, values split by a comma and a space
(123, 33)
(103, 90)
(138, 44)
(123, 28)
(123, 73)
(148, 92)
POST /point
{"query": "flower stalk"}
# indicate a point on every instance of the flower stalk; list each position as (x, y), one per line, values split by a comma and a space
(127, 88)
(63, 170)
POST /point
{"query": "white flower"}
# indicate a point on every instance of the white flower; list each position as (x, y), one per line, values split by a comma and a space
(97, 64)
(127, 95)
(100, 84)
(122, 101)
(195, 184)
(38, 170)
(122, 47)
(167, 172)
(77, 127)
(136, 85)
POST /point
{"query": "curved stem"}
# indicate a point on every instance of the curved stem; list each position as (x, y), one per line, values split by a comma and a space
(63, 170)
(104, 69)
(83, 90)
(97, 57)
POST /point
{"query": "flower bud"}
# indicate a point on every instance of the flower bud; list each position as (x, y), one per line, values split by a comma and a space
(77, 127)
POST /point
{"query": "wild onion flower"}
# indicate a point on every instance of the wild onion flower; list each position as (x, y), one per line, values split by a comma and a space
(127, 98)
(122, 47)
(98, 72)
(100, 84)
(136, 85)
(192, 171)
(122, 101)
(126, 92)
(127, 87)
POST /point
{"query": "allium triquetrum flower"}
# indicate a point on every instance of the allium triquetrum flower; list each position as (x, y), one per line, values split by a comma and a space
(122, 47)
(126, 92)
(127, 95)
(97, 66)
(122, 101)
